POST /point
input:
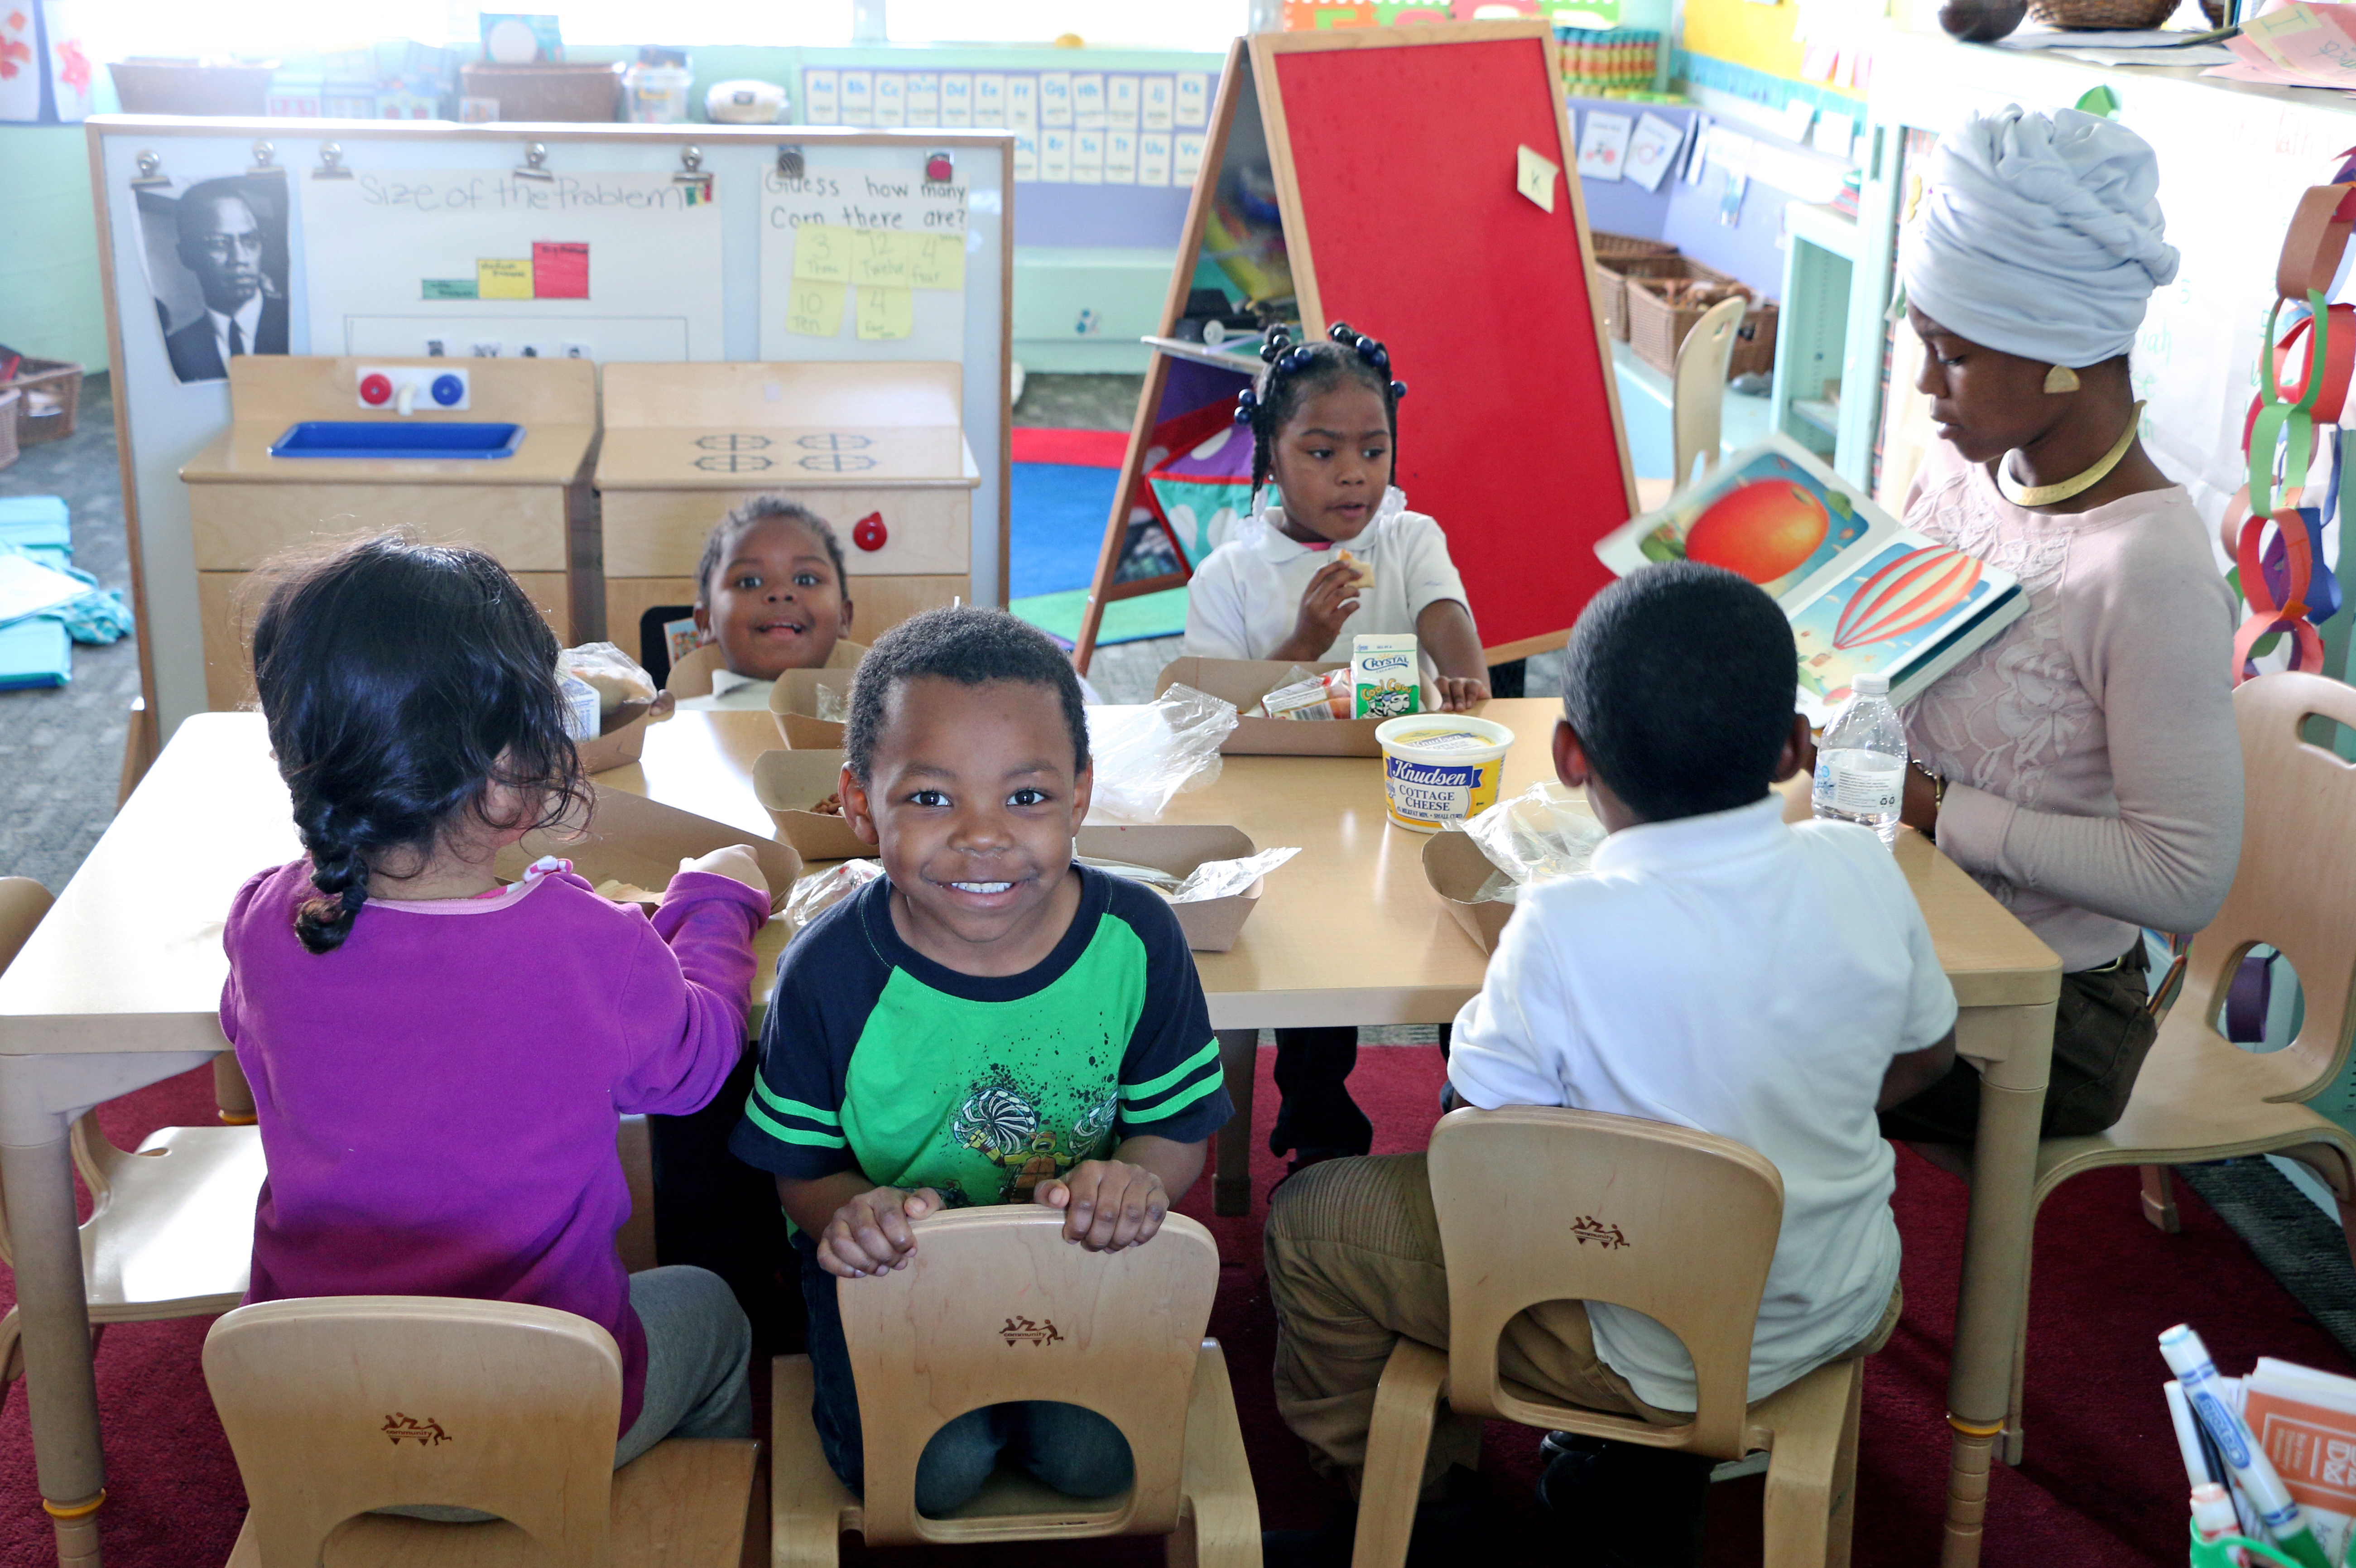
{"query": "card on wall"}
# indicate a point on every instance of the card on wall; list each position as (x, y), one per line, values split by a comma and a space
(858, 98)
(1088, 100)
(1056, 155)
(73, 76)
(821, 97)
(1120, 102)
(890, 105)
(1026, 154)
(1087, 157)
(1120, 156)
(1653, 150)
(1603, 145)
(924, 98)
(989, 99)
(860, 254)
(1153, 158)
(1185, 158)
(957, 98)
(1056, 99)
(1023, 103)
(20, 66)
(1159, 102)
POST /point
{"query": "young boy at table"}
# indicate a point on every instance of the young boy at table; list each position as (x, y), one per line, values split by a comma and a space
(1719, 969)
(988, 1022)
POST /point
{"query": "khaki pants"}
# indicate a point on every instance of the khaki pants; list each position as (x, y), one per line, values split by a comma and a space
(1353, 1264)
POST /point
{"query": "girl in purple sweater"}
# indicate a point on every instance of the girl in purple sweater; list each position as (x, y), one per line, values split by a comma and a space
(439, 1061)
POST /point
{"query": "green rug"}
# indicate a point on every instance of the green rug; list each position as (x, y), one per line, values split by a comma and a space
(1125, 620)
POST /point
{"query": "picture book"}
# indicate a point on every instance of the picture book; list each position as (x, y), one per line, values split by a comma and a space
(1863, 593)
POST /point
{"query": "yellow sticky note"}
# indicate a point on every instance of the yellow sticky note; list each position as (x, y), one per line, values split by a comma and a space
(500, 278)
(886, 313)
(936, 261)
(879, 258)
(1534, 176)
(814, 310)
(821, 253)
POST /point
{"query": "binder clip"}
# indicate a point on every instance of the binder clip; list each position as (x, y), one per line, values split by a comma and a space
(151, 174)
(789, 162)
(535, 154)
(691, 171)
(263, 156)
(331, 163)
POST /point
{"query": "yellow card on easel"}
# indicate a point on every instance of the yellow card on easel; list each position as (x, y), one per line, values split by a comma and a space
(936, 261)
(500, 278)
(879, 259)
(886, 313)
(821, 253)
(814, 310)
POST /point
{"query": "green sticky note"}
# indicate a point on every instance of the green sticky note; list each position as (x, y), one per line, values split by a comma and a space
(452, 288)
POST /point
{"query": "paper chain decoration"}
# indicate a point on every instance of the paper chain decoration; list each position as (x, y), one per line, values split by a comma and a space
(2275, 541)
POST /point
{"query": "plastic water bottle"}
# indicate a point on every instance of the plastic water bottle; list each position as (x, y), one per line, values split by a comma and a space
(1861, 760)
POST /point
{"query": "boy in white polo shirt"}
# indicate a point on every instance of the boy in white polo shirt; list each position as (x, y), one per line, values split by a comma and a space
(1718, 969)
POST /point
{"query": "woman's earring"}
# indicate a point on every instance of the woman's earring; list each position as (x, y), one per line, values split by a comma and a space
(2061, 379)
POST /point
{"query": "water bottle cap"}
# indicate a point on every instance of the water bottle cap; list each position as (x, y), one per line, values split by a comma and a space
(1871, 685)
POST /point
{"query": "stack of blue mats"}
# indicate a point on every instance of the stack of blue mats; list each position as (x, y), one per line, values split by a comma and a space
(36, 651)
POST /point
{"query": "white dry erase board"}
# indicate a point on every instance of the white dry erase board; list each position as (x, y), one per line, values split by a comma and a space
(608, 257)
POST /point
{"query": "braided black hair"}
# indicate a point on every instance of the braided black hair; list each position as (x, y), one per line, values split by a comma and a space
(400, 681)
(1292, 372)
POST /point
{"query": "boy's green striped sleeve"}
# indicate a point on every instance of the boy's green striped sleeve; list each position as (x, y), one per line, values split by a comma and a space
(793, 1121)
(1160, 1097)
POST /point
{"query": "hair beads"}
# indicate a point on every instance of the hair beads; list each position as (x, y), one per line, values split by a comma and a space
(1293, 371)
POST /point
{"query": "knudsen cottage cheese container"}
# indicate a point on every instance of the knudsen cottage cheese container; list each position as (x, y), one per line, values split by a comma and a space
(1440, 768)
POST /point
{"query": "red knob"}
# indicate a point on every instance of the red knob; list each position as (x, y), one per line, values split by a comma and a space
(376, 389)
(868, 532)
(939, 169)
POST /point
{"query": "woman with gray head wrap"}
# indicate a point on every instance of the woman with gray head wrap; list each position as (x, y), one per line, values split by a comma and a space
(2085, 765)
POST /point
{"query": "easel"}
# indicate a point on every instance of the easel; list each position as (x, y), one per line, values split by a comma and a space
(1393, 153)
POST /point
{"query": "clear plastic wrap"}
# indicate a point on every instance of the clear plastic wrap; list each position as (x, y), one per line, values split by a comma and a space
(821, 890)
(1148, 753)
(833, 703)
(1305, 694)
(1225, 878)
(1545, 832)
(616, 677)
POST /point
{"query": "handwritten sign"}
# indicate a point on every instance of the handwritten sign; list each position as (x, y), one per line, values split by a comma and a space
(814, 310)
(885, 313)
(896, 240)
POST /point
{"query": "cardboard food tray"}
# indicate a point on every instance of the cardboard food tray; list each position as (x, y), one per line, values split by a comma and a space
(1454, 866)
(1211, 926)
(787, 784)
(624, 740)
(793, 702)
(631, 839)
(1244, 681)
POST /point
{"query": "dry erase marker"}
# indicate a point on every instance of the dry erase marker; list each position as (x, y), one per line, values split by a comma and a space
(2213, 1520)
(2188, 1359)
(2202, 1463)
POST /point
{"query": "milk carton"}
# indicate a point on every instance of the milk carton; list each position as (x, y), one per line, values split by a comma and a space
(1386, 678)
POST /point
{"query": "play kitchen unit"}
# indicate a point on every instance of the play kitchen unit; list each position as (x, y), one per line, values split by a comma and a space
(874, 448)
(491, 453)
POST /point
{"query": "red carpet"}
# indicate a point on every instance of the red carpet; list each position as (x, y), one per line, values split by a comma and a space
(1076, 449)
(2102, 1485)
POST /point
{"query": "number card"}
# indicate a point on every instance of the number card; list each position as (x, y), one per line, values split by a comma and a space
(935, 261)
(814, 310)
(879, 258)
(821, 253)
(886, 313)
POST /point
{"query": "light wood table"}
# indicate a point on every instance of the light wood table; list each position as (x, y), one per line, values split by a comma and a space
(119, 987)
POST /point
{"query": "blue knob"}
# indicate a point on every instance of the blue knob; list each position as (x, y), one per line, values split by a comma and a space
(448, 390)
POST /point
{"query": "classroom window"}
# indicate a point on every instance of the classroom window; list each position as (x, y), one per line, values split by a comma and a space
(690, 24)
(1206, 25)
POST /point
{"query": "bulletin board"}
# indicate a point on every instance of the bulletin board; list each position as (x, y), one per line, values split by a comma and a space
(640, 242)
(1510, 434)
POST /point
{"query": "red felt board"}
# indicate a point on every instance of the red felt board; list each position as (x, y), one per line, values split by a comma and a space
(1403, 158)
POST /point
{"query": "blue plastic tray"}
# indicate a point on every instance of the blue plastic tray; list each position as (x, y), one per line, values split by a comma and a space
(375, 438)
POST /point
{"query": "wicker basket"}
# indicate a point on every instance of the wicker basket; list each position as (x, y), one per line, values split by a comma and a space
(1655, 326)
(1618, 258)
(564, 92)
(2130, 16)
(51, 388)
(1754, 341)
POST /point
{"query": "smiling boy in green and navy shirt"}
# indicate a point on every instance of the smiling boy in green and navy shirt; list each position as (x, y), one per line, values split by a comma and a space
(987, 1022)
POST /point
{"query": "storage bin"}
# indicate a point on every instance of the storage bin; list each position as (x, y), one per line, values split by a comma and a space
(562, 92)
(1658, 323)
(1618, 258)
(184, 87)
(51, 388)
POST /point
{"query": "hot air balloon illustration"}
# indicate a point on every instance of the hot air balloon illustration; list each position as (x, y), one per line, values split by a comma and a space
(1761, 530)
(1911, 592)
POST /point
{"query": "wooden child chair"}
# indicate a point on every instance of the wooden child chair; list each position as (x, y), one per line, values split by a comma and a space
(339, 1405)
(1550, 1205)
(170, 1232)
(1698, 390)
(996, 1307)
(2200, 1096)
